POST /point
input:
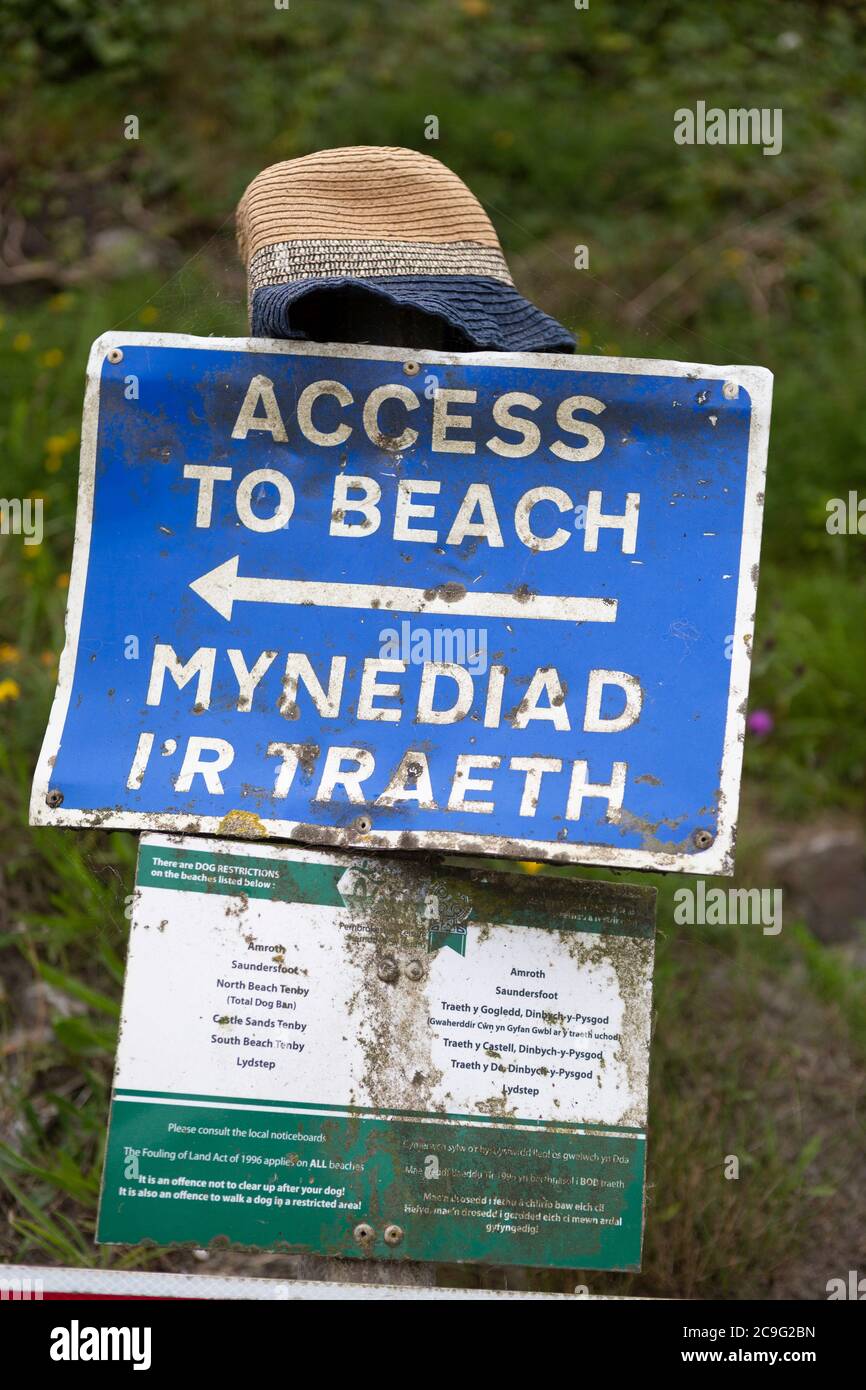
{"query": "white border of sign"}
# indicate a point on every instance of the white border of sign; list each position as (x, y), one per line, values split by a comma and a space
(717, 859)
(29, 1284)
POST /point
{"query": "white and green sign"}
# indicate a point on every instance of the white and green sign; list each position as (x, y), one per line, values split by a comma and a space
(354, 1057)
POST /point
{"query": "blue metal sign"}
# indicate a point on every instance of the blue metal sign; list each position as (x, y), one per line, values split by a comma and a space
(359, 596)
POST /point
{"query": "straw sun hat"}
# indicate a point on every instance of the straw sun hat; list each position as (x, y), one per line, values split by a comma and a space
(381, 229)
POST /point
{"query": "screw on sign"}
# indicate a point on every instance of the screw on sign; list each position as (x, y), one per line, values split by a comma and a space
(460, 592)
(388, 970)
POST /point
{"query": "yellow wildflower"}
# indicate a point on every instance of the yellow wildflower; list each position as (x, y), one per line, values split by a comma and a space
(52, 358)
(614, 41)
(9, 654)
(9, 690)
(22, 342)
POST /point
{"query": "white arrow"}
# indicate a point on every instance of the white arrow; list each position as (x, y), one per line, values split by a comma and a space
(223, 587)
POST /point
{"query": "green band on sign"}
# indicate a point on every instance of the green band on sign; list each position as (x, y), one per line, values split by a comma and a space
(536, 902)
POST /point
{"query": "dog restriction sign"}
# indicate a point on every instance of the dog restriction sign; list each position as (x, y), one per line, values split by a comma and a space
(362, 1056)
